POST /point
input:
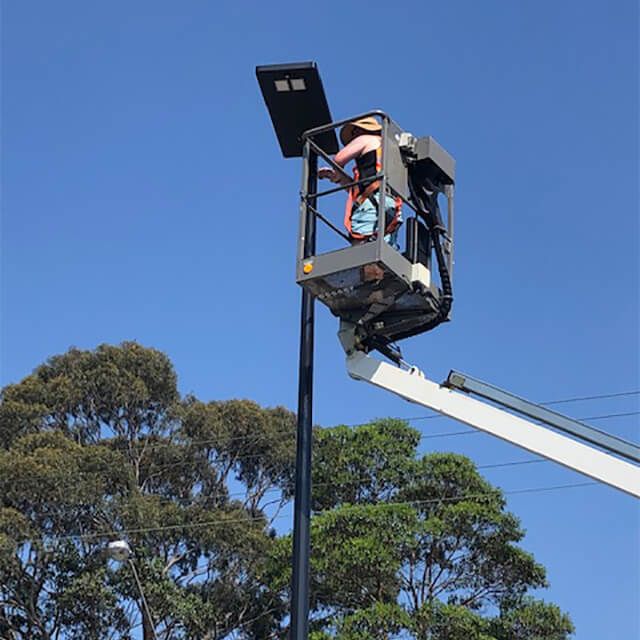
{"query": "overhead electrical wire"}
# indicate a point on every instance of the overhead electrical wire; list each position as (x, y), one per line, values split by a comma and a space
(264, 519)
(602, 396)
(213, 523)
(277, 490)
(255, 438)
(470, 431)
(425, 436)
(258, 438)
(151, 445)
(222, 521)
(239, 459)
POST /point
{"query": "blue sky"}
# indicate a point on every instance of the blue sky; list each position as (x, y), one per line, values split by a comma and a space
(144, 197)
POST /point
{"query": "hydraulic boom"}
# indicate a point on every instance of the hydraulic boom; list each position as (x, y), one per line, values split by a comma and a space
(410, 384)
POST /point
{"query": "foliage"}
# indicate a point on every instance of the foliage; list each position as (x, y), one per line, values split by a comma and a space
(406, 547)
(533, 620)
(98, 445)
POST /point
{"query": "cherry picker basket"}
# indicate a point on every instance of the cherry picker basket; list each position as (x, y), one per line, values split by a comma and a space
(389, 294)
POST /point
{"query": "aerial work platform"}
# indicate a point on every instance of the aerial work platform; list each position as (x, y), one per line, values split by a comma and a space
(389, 292)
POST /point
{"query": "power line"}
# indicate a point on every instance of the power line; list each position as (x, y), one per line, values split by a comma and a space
(611, 415)
(598, 397)
(227, 521)
(472, 431)
(276, 490)
(516, 463)
(602, 396)
(425, 436)
(256, 439)
(473, 496)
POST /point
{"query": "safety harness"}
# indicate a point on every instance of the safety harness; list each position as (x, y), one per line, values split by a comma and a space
(359, 193)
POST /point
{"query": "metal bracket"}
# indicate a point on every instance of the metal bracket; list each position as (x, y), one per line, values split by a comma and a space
(353, 346)
(347, 336)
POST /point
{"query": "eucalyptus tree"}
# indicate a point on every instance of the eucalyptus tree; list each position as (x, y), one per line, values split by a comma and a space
(99, 445)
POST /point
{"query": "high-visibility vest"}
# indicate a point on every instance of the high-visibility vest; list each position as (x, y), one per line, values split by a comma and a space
(357, 195)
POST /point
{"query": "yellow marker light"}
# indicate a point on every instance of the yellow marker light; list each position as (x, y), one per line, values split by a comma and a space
(307, 267)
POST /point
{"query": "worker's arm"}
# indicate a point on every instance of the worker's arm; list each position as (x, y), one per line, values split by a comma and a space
(355, 148)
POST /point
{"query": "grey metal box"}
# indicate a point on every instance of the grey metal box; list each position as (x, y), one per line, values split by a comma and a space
(427, 150)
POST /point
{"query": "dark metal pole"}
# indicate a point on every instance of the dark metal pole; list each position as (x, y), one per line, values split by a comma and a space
(302, 504)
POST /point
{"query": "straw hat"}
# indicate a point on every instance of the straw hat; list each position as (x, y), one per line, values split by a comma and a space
(348, 131)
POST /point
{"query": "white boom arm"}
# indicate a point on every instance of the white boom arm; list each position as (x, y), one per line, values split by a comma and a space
(411, 385)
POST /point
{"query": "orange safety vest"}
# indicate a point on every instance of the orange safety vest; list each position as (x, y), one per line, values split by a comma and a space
(357, 196)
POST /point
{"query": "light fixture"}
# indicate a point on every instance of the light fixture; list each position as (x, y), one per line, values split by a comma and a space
(119, 550)
(296, 102)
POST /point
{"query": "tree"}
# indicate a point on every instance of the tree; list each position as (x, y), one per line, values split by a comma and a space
(99, 445)
(414, 547)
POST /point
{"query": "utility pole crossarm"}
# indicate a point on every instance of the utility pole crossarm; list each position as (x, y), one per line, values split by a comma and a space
(414, 387)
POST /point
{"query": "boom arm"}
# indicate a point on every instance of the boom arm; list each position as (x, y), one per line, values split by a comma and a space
(413, 386)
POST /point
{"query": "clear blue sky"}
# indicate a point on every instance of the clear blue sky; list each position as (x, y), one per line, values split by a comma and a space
(144, 197)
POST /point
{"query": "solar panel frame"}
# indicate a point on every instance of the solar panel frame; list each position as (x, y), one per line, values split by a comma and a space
(296, 110)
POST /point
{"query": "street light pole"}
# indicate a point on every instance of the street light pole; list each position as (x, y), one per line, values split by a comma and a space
(149, 625)
(302, 504)
(297, 103)
(120, 551)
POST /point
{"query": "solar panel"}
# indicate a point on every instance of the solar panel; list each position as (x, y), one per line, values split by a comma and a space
(296, 102)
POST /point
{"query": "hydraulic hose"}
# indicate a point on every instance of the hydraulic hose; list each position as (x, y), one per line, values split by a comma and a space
(427, 205)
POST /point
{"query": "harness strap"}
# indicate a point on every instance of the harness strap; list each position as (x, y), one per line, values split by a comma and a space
(367, 193)
(356, 197)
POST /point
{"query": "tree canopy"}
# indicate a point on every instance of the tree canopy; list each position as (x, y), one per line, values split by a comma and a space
(99, 445)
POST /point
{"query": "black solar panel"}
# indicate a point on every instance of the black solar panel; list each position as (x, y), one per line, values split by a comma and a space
(296, 102)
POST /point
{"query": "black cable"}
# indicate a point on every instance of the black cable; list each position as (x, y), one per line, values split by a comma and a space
(422, 437)
(598, 397)
(262, 437)
(259, 437)
(223, 522)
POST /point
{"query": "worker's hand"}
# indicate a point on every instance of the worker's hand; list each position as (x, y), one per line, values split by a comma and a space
(328, 173)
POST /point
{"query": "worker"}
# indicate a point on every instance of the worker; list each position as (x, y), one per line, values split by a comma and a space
(363, 143)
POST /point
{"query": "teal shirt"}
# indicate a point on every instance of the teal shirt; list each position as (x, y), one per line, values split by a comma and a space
(365, 217)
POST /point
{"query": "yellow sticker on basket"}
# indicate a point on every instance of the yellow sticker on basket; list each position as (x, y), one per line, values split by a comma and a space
(307, 267)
